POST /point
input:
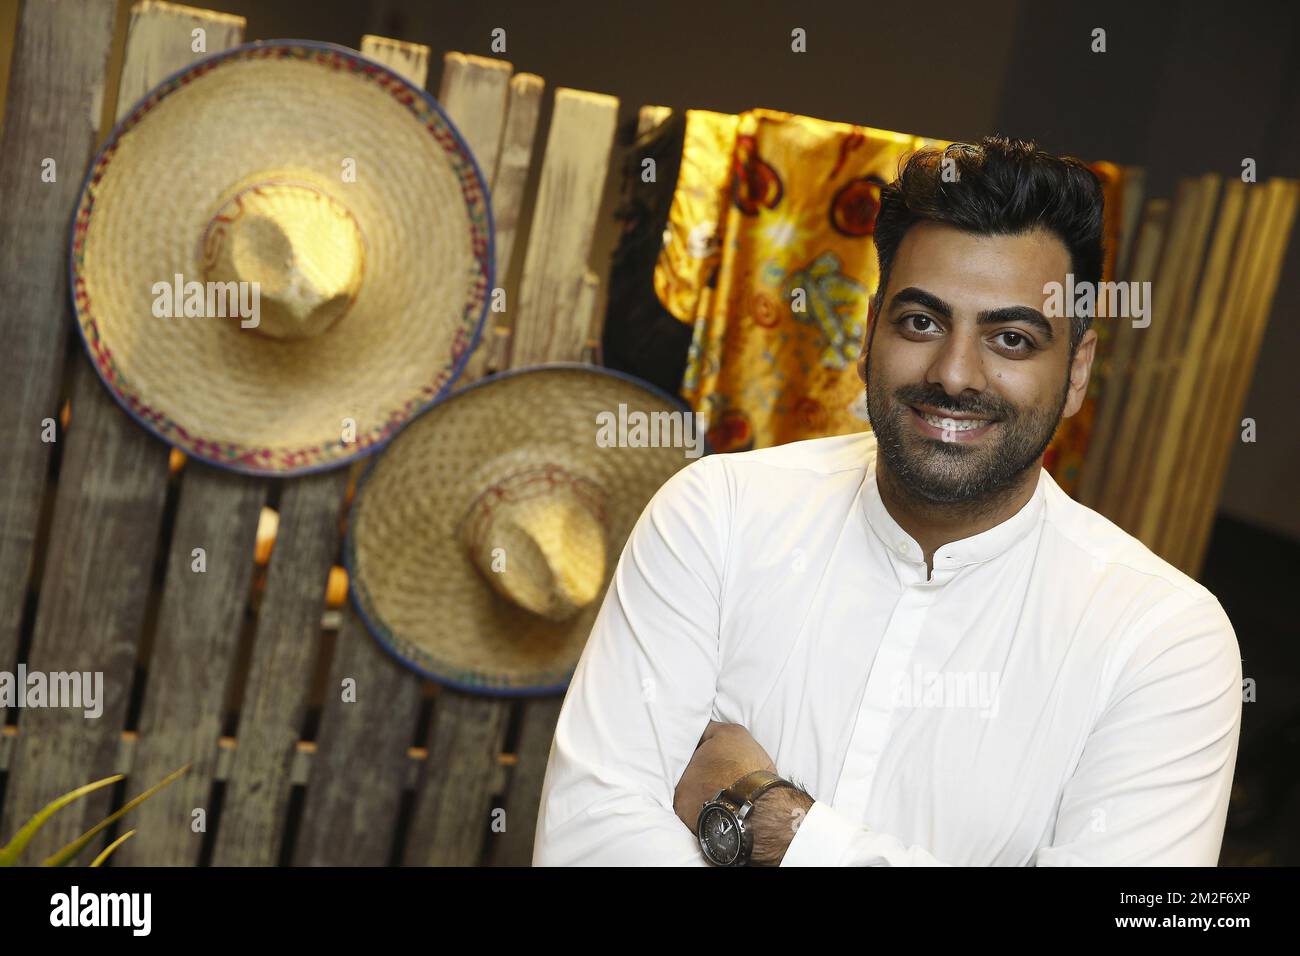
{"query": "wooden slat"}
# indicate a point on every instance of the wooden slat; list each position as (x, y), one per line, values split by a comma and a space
(359, 769)
(473, 91)
(110, 494)
(410, 60)
(1272, 241)
(199, 615)
(574, 169)
(453, 805)
(649, 117)
(509, 178)
(55, 91)
(286, 645)
(193, 656)
(513, 162)
(589, 305)
(160, 42)
(523, 800)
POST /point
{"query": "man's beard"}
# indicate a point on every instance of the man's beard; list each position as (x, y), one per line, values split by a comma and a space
(973, 477)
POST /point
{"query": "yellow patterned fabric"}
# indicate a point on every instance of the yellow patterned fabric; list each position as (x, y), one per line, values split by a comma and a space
(768, 253)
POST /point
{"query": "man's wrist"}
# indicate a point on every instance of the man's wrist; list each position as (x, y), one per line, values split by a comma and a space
(773, 820)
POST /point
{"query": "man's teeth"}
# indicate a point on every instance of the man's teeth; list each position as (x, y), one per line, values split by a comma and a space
(955, 424)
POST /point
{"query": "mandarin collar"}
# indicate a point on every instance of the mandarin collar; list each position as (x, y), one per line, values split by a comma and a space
(973, 550)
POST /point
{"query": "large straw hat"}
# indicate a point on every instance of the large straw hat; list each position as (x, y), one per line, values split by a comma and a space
(329, 185)
(482, 540)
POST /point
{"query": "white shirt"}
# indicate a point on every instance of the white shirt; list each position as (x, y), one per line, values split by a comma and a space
(773, 589)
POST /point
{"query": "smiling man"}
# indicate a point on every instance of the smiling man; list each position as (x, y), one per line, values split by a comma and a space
(909, 646)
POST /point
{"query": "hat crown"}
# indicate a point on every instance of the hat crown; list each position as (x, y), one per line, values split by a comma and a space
(300, 247)
(538, 537)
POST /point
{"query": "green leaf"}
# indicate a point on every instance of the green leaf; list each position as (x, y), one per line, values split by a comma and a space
(99, 860)
(9, 854)
(66, 855)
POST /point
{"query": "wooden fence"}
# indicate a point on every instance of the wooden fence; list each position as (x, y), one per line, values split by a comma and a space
(229, 670)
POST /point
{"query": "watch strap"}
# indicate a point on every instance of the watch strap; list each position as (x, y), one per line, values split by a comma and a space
(753, 785)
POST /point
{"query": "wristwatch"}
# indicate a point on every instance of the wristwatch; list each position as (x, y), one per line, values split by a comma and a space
(725, 836)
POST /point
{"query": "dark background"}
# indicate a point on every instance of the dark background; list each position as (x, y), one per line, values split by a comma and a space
(1184, 88)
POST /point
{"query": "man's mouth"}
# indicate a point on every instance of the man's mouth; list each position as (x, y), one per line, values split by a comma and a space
(953, 420)
(952, 426)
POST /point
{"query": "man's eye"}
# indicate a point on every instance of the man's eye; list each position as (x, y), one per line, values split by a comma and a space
(915, 317)
(1015, 342)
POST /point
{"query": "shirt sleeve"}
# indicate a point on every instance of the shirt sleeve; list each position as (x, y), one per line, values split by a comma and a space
(827, 838)
(1152, 784)
(1155, 776)
(643, 690)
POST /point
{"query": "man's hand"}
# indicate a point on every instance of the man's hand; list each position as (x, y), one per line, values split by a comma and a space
(724, 754)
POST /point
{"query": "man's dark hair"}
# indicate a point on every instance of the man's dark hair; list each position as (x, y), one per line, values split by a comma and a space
(1000, 186)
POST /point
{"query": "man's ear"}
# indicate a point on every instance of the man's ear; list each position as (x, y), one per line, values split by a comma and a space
(873, 305)
(1080, 370)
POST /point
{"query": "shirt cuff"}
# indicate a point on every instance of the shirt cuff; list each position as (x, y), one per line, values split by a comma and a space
(822, 838)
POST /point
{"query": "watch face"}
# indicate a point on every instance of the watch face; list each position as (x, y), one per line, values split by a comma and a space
(721, 836)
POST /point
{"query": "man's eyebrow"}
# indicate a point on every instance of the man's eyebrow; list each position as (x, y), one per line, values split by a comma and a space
(917, 296)
(1018, 313)
(1011, 313)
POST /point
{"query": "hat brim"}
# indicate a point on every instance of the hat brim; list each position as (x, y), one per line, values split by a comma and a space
(411, 580)
(231, 396)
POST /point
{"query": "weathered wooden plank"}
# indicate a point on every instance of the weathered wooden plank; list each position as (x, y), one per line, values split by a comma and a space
(199, 616)
(454, 806)
(649, 117)
(92, 601)
(56, 87)
(194, 652)
(514, 846)
(507, 184)
(411, 60)
(574, 168)
(588, 300)
(161, 40)
(513, 162)
(109, 500)
(287, 641)
(473, 91)
(360, 765)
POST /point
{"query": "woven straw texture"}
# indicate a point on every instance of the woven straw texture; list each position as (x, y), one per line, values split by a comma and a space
(412, 574)
(280, 112)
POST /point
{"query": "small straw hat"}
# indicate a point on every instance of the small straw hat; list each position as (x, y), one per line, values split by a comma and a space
(482, 539)
(280, 255)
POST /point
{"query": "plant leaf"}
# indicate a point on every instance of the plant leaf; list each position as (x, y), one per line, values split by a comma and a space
(99, 860)
(66, 855)
(9, 854)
